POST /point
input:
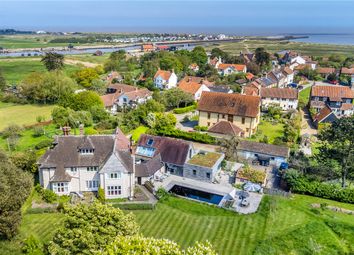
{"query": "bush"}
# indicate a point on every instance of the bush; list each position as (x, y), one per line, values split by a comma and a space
(185, 109)
(162, 194)
(100, 195)
(192, 136)
(200, 128)
(32, 246)
(49, 196)
(300, 184)
(38, 131)
(43, 144)
(134, 206)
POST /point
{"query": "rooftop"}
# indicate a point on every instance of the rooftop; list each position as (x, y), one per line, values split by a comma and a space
(207, 159)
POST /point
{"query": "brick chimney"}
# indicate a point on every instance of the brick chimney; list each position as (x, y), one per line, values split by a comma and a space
(81, 128)
(66, 130)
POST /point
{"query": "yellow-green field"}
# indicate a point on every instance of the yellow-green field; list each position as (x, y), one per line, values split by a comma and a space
(22, 114)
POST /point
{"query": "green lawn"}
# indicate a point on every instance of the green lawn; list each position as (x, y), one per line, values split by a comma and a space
(14, 70)
(275, 46)
(304, 95)
(266, 128)
(281, 226)
(22, 114)
(90, 58)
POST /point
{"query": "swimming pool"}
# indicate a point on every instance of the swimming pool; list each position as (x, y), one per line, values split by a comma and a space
(196, 194)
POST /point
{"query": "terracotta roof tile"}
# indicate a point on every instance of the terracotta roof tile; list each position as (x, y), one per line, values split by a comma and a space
(332, 91)
(226, 128)
(347, 70)
(238, 67)
(326, 70)
(190, 87)
(286, 93)
(322, 114)
(235, 104)
(200, 80)
(164, 74)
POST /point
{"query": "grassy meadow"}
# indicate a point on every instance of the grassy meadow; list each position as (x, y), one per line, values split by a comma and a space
(15, 69)
(266, 128)
(275, 46)
(22, 114)
(281, 226)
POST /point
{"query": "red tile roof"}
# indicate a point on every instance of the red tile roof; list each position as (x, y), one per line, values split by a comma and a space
(250, 91)
(237, 67)
(286, 93)
(190, 87)
(322, 114)
(234, 104)
(164, 74)
(332, 91)
(108, 100)
(249, 76)
(287, 71)
(200, 80)
(226, 128)
(326, 70)
(347, 70)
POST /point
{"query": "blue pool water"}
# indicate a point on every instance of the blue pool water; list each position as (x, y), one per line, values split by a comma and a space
(196, 194)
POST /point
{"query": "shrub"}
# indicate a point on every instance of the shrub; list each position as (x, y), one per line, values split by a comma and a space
(38, 131)
(201, 128)
(162, 194)
(32, 246)
(43, 144)
(185, 109)
(49, 196)
(100, 195)
(192, 136)
(300, 184)
(38, 188)
(134, 206)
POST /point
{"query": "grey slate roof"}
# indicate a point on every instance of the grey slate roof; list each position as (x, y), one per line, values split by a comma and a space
(148, 168)
(264, 148)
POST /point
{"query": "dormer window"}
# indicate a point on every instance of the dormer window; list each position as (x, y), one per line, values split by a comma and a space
(92, 168)
(150, 142)
(86, 151)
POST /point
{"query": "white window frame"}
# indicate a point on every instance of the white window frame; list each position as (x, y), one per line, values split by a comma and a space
(60, 187)
(114, 175)
(114, 190)
(92, 184)
(92, 168)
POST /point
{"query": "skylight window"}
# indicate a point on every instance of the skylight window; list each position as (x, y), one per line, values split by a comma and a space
(150, 142)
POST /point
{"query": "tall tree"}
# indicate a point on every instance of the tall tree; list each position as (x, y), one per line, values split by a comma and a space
(262, 57)
(230, 147)
(199, 56)
(53, 61)
(87, 229)
(337, 144)
(15, 186)
(2, 81)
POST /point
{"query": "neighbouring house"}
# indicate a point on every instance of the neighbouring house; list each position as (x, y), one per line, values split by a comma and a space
(214, 62)
(249, 76)
(203, 166)
(278, 77)
(114, 77)
(289, 75)
(225, 129)
(227, 69)
(84, 163)
(241, 110)
(267, 82)
(247, 57)
(220, 88)
(162, 47)
(285, 98)
(252, 88)
(98, 53)
(347, 71)
(325, 71)
(338, 98)
(325, 115)
(174, 153)
(263, 153)
(147, 48)
(194, 67)
(194, 88)
(165, 79)
(123, 95)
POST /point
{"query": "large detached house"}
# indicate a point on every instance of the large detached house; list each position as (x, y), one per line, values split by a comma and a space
(338, 98)
(285, 98)
(123, 95)
(241, 110)
(165, 79)
(85, 163)
(227, 69)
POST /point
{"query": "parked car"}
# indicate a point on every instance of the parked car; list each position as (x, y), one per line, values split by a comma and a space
(293, 85)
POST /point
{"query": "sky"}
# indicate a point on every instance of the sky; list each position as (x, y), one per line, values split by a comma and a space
(246, 17)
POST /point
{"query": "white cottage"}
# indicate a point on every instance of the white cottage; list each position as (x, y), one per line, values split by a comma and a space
(165, 79)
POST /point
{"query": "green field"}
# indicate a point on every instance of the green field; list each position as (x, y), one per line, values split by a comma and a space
(281, 226)
(22, 114)
(90, 58)
(275, 46)
(304, 95)
(14, 70)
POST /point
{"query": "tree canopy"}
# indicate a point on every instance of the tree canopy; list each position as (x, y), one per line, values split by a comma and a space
(53, 61)
(15, 186)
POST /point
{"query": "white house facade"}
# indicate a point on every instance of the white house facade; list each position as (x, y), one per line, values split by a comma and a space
(165, 79)
(285, 98)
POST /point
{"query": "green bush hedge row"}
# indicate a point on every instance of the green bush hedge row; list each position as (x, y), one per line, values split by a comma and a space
(318, 189)
(134, 206)
(185, 109)
(192, 136)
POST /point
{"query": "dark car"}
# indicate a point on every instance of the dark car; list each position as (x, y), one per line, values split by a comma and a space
(292, 85)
